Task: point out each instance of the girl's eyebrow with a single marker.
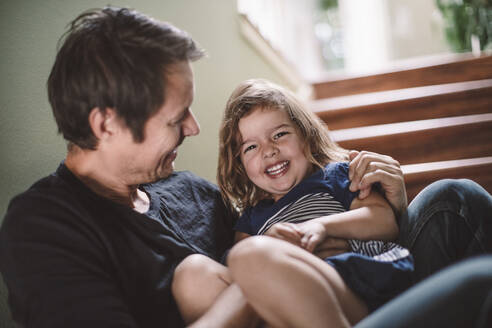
(283, 125)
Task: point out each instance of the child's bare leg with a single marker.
(205, 296)
(229, 310)
(289, 287)
(197, 283)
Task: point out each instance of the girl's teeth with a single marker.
(277, 168)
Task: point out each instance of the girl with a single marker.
(280, 170)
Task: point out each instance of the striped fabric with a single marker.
(312, 206)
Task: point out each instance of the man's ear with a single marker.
(104, 123)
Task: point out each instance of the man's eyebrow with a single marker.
(182, 115)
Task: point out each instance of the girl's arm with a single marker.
(368, 219)
(289, 232)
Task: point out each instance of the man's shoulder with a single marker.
(51, 186)
(54, 198)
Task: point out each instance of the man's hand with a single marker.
(367, 168)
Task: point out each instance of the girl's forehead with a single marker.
(263, 111)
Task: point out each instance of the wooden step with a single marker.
(424, 141)
(453, 99)
(418, 176)
(459, 68)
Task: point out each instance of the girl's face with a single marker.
(272, 151)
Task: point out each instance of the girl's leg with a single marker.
(198, 281)
(290, 287)
(448, 221)
(205, 296)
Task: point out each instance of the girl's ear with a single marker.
(104, 123)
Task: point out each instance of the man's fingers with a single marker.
(386, 178)
(370, 164)
(364, 193)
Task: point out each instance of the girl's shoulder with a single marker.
(339, 169)
(336, 179)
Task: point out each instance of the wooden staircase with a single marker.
(435, 117)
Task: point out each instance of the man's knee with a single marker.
(452, 190)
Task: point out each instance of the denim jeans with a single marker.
(448, 221)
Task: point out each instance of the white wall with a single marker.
(378, 32)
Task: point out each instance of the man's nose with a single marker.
(191, 127)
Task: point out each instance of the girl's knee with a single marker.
(254, 258)
(252, 251)
(193, 270)
(191, 264)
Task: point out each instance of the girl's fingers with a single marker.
(312, 243)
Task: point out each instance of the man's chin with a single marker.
(166, 172)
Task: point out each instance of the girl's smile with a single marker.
(277, 170)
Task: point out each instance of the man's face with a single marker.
(153, 159)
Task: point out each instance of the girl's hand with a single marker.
(313, 233)
(285, 231)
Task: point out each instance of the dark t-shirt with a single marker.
(71, 258)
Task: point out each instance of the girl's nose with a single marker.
(270, 151)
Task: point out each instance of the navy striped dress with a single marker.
(375, 270)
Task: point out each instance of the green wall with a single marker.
(29, 30)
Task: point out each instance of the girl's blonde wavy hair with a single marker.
(237, 190)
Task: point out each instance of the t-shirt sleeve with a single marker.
(338, 178)
(243, 224)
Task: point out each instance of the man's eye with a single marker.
(280, 134)
(249, 148)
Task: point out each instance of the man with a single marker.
(76, 250)
(96, 243)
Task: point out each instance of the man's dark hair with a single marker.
(114, 58)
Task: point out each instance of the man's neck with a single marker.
(101, 179)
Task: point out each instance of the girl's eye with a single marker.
(251, 147)
(280, 134)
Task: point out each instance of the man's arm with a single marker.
(54, 273)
